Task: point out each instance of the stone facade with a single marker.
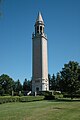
(39, 58)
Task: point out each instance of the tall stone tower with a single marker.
(39, 58)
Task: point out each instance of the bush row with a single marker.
(31, 98)
(69, 96)
(49, 97)
(6, 99)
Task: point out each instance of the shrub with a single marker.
(6, 99)
(49, 97)
(71, 96)
(58, 94)
(45, 93)
(31, 98)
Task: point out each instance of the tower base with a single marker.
(39, 85)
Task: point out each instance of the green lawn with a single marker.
(40, 110)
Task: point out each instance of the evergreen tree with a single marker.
(25, 85)
(52, 82)
(18, 86)
(49, 78)
(58, 78)
(70, 82)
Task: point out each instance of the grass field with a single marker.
(41, 110)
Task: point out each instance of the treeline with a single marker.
(10, 87)
(66, 81)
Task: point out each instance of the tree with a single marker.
(58, 78)
(27, 85)
(52, 82)
(70, 82)
(6, 84)
(1, 89)
(49, 78)
(18, 86)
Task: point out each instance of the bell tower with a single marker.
(39, 25)
(39, 57)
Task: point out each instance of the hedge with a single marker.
(7, 99)
(49, 97)
(31, 98)
(73, 96)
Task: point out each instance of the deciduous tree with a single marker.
(70, 82)
(6, 84)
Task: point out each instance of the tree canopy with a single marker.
(70, 81)
(6, 84)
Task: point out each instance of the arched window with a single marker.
(37, 29)
(40, 29)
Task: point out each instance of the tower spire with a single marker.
(39, 25)
(39, 18)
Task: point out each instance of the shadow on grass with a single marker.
(64, 100)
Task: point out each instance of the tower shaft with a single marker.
(40, 62)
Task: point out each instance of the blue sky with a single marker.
(62, 26)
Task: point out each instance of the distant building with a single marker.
(39, 58)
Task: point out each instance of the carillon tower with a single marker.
(39, 58)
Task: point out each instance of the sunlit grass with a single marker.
(40, 110)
